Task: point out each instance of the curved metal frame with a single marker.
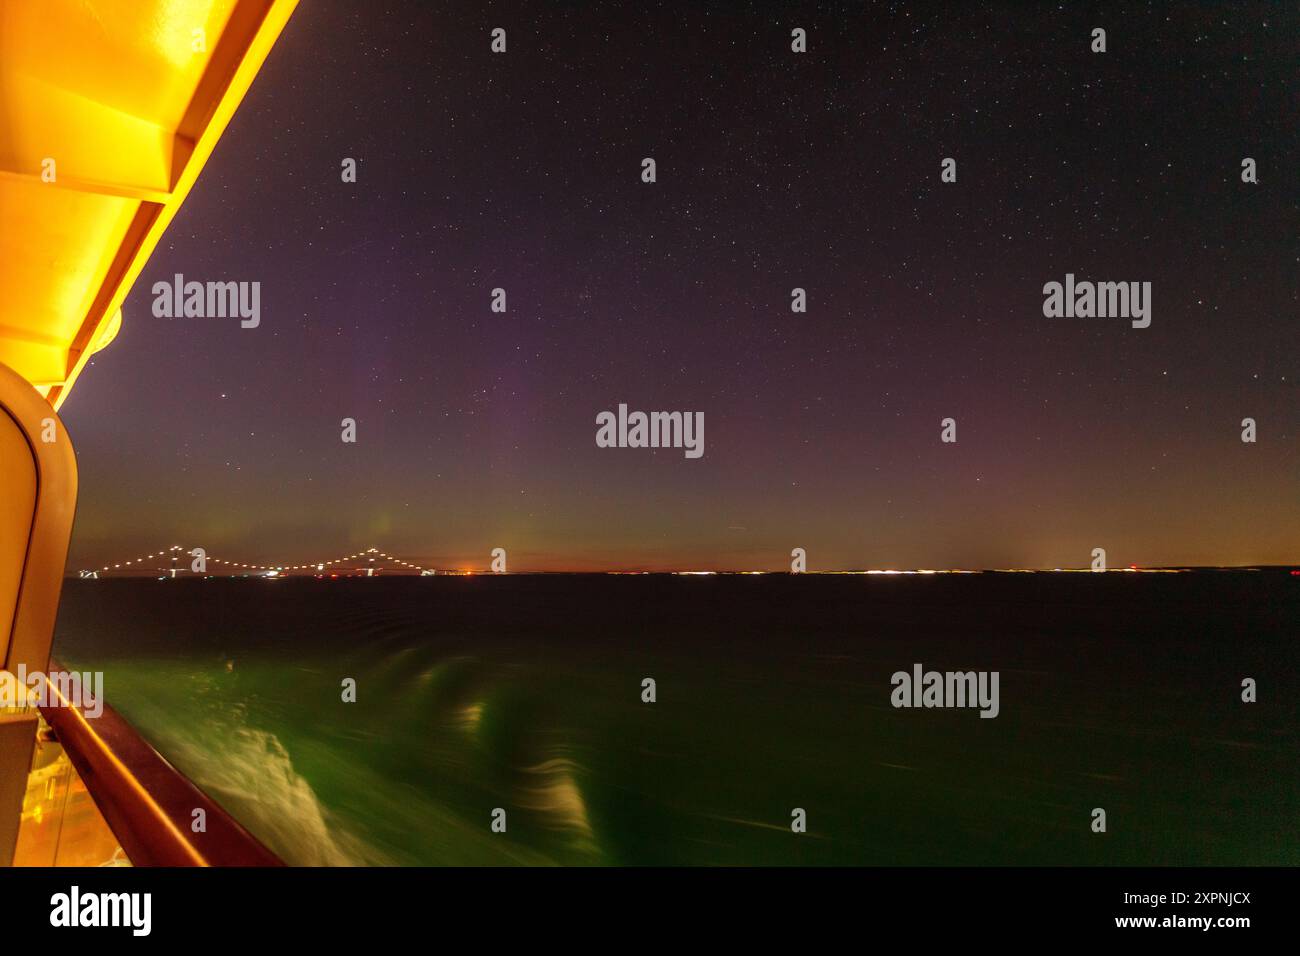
(41, 583)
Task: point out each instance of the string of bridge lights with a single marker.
(178, 553)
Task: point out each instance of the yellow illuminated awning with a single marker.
(108, 111)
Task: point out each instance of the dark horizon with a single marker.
(111, 572)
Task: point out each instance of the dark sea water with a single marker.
(1119, 691)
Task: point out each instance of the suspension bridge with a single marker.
(178, 561)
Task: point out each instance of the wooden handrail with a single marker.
(148, 803)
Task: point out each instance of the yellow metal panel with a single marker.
(50, 285)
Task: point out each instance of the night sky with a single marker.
(775, 170)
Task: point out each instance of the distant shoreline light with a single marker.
(405, 569)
